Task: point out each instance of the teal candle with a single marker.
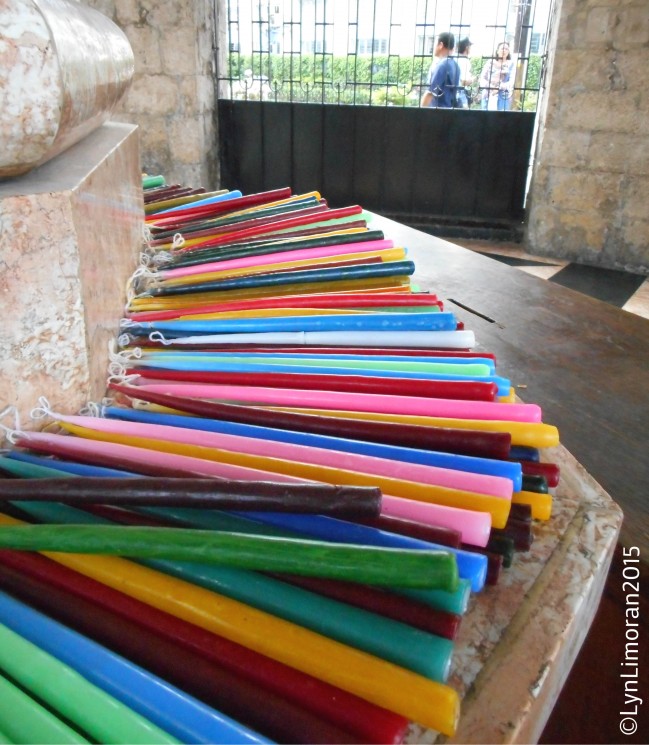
(370, 565)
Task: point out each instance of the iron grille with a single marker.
(372, 52)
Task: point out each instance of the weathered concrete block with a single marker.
(72, 233)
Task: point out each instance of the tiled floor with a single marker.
(625, 290)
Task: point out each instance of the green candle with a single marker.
(81, 703)
(368, 564)
(24, 720)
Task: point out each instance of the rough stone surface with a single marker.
(75, 225)
(588, 199)
(172, 96)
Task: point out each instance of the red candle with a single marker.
(454, 389)
(396, 607)
(368, 723)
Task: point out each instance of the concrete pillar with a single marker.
(588, 199)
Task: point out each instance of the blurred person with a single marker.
(444, 76)
(497, 80)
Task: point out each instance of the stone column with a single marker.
(588, 199)
(172, 98)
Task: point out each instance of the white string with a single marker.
(127, 323)
(162, 257)
(90, 409)
(146, 233)
(121, 377)
(125, 355)
(11, 435)
(157, 336)
(178, 241)
(42, 410)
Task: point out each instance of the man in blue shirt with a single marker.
(444, 76)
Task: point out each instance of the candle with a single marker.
(225, 464)
(365, 402)
(24, 720)
(266, 681)
(541, 503)
(239, 202)
(311, 302)
(337, 322)
(374, 285)
(474, 526)
(321, 258)
(465, 442)
(471, 566)
(60, 467)
(295, 254)
(369, 271)
(150, 182)
(535, 483)
(70, 695)
(470, 390)
(431, 533)
(542, 435)
(182, 357)
(249, 704)
(379, 601)
(229, 495)
(162, 704)
(489, 467)
(424, 653)
(430, 703)
(341, 458)
(451, 602)
(382, 566)
(550, 471)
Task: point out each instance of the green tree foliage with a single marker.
(386, 80)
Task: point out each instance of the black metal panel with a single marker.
(369, 155)
(278, 137)
(442, 164)
(307, 150)
(338, 154)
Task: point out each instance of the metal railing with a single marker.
(372, 52)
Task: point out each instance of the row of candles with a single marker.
(271, 532)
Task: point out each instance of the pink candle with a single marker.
(297, 255)
(496, 486)
(371, 402)
(473, 526)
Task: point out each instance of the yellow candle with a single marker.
(496, 506)
(531, 434)
(274, 313)
(431, 704)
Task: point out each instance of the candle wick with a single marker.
(9, 433)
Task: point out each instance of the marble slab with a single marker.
(519, 638)
(70, 235)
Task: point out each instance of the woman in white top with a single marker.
(497, 80)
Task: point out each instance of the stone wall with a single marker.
(588, 200)
(172, 98)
